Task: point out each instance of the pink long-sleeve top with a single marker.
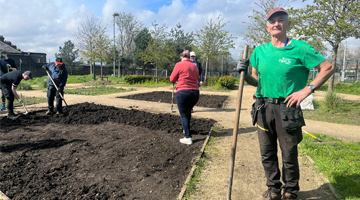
(186, 74)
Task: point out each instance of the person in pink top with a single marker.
(187, 95)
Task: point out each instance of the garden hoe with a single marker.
(236, 127)
(26, 111)
(56, 87)
(172, 98)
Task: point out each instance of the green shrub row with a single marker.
(226, 82)
(136, 79)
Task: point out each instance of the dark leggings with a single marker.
(186, 100)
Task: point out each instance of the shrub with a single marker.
(133, 79)
(227, 82)
(211, 81)
(163, 79)
(332, 100)
(24, 86)
(42, 83)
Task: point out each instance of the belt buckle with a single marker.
(276, 101)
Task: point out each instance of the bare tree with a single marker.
(102, 46)
(85, 36)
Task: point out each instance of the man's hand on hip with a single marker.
(297, 97)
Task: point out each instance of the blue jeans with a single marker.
(186, 100)
(51, 93)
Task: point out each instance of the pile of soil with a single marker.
(207, 101)
(96, 152)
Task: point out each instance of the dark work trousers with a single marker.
(51, 93)
(2, 98)
(269, 131)
(8, 94)
(186, 100)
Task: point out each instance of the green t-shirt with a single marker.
(284, 70)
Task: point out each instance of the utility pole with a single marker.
(343, 71)
(356, 70)
(115, 14)
(222, 65)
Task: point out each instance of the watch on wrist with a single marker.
(312, 88)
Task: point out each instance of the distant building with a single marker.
(24, 60)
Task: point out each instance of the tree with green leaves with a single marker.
(328, 20)
(212, 40)
(142, 40)
(69, 54)
(155, 49)
(102, 44)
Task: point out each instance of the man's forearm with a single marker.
(325, 73)
(14, 92)
(251, 80)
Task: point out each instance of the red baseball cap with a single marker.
(275, 10)
(59, 61)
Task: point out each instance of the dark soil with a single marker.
(208, 101)
(96, 152)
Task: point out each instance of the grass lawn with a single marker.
(340, 163)
(96, 90)
(28, 100)
(345, 88)
(348, 112)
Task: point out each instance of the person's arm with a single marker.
(201, 74)
(64, 78)
(13, 65)
(253, 78)
(174, 74)
(326, 70)
(13, 89)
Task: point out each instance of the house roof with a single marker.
(8, 48)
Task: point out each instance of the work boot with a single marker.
(269, 194)
(59, 112)
(288, 196)
(49, 112)
(2, 107)
(186, 140)
(12, 116)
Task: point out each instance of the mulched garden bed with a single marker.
(208, 101)
(96, 152)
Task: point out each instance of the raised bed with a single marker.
(208, 101)
(97, 152)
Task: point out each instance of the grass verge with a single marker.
(191, 186)
(96, 90)
(29, 100)
(340, 163)
(346, 112)
(345, 88)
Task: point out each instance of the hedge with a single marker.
(227, 82)
(136, 79)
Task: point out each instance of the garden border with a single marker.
(183, 190)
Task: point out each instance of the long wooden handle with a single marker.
(56, 87)
(236, 126)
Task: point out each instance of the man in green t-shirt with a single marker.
(280, 72)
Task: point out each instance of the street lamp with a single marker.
(115, 14)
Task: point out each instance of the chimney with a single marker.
(14, 46)
(18, 49)
(2, 38)
(7, 42)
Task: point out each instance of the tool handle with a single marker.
(236, 126)
(56, 87)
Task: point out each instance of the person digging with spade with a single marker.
(59, 74)
(7, 65)
(280, 73)
(8, 84)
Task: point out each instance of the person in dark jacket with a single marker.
(7, 65)
(59, 74)
(198, 65)
(8, 84)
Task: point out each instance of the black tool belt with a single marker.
(273, 100)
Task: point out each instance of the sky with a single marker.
(44, 25)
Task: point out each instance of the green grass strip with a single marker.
(96, 90)
(340, 163)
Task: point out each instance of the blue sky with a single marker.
(44, 25)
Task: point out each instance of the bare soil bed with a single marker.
(208, 101)
(96, 152)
